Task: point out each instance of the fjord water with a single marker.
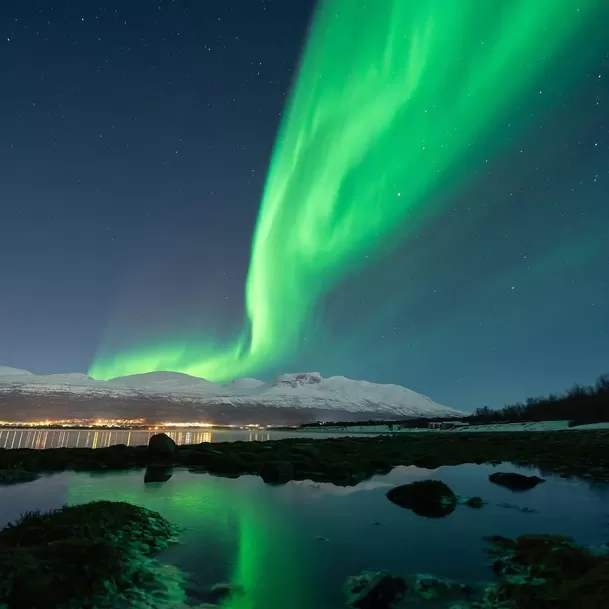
(99, 438)
(294, 545)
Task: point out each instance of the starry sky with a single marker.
(135, 138)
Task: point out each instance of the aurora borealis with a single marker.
(403, 192)
(389, 100)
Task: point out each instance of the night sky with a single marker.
(135, 139)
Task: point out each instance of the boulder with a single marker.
(429, 498)
(161, 445)
(515, 482)
(277, 472)
(375, 590)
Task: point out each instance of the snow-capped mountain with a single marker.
(303, 396)
(6, 371)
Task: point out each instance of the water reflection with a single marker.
(79, 438)
(293, 546)
(242, 535)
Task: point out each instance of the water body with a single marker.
(293, 546)
(99, 438)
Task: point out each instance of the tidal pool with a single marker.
(293, 546)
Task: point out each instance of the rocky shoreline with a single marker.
(100, 555)
(341, 461)
(531, 572)
(115, 540)
(90, 555)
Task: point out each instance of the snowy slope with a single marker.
(241, 384)
(311, 390)
(6, 371)
(293, 391)
(165, 383)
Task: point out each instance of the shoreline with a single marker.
(525, 426)
(345, 460)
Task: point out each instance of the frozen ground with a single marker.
(538, 426)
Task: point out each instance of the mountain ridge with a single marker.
(168, 391)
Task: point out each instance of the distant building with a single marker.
(447, 425)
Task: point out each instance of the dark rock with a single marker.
(502, 567)
(432, 588)
(372, 590)
(158, 473)
(549, 571)
(277, 472)
(381, 466)
(227, 464)
(515, 482)
(161, 445)
(475, 502)
(16, 476)
(429, 498)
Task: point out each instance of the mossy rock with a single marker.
(77, 556)
(550, 571)
(375, 590)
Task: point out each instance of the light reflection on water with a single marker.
(100, 438)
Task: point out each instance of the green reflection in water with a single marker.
(272, 566)
(243, 519)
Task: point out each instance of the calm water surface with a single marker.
(86, 438)
(293, 546)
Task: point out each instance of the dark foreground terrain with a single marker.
(91, 555)
(343, 461)
(106, 549)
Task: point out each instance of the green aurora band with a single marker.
(391, 98)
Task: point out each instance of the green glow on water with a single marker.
(272, 567)
(236, 525)
(390, 98)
